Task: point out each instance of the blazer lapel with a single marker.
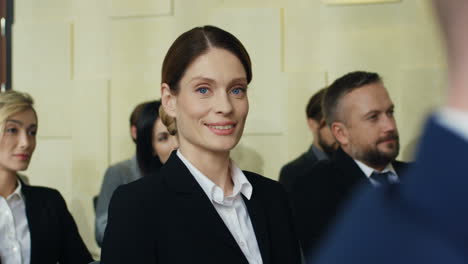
(33, 214)
(400, 167)
(349, 169)
(193, 199)
(258, 218)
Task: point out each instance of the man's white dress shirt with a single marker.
(392, 177)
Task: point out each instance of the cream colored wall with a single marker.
(88, 63)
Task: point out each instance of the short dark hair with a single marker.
(314, 106)
(136, 113)
(147, 161)
(194, 43)
(342, 86)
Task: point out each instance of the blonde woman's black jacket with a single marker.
(169, 219)
(54, 234)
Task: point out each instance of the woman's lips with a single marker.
(222, 128)
(23, 156)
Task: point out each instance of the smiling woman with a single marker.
(202, 208)
(35, 224)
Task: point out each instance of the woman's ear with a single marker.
(168, 100)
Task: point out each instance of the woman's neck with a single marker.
(8, 183)
(214, 165)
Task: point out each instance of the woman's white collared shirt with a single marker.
(232, 208)
(15, 240)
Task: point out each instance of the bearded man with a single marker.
(323, 144)
(359, 112)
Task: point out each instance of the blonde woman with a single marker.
(35, 224)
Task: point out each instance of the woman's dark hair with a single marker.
(187, 48)
(195, 42)
(148, 161)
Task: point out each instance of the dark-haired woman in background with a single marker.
(201, 208)
(154, 144)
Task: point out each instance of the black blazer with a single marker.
(167, 218)
(295, 168)
(54, 235)
(319, 194)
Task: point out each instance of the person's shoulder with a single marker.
(45, 195)
(41, 191)
(263, 183)
(386, 207)
(121, 165)
(302, 161)
(401, 166)
(321, 170)
(140, 191)
(142, 186)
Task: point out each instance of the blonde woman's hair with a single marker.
(168, 121)
(12, 102)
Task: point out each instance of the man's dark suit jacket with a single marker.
(297, 167)
(423, 221)
(54, 235)
(319, 194)
(169, 219)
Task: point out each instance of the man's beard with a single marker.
(376, 157)
(327, 148)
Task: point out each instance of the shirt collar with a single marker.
(213, 191)
(17, 192)
(368, 170)
(318, 153)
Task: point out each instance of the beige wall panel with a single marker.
(267, 103)
(41, 53)
(91, 33)
(370, 55)
(91, 49)
(259, 29)
(125, 8)
(51, 166)
(52, 101)
(302, 36)
(43, 10)
(262, 154)
(258, 3)
(189, 14)
(125, 94)
(421, 91)
(421, 46)
(90, 152)
(345, 38)
(300, 87)
(45, 77)
(138, 47)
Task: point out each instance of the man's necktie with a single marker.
(382, 178)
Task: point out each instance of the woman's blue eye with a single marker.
(202, 90)
(237, 91)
